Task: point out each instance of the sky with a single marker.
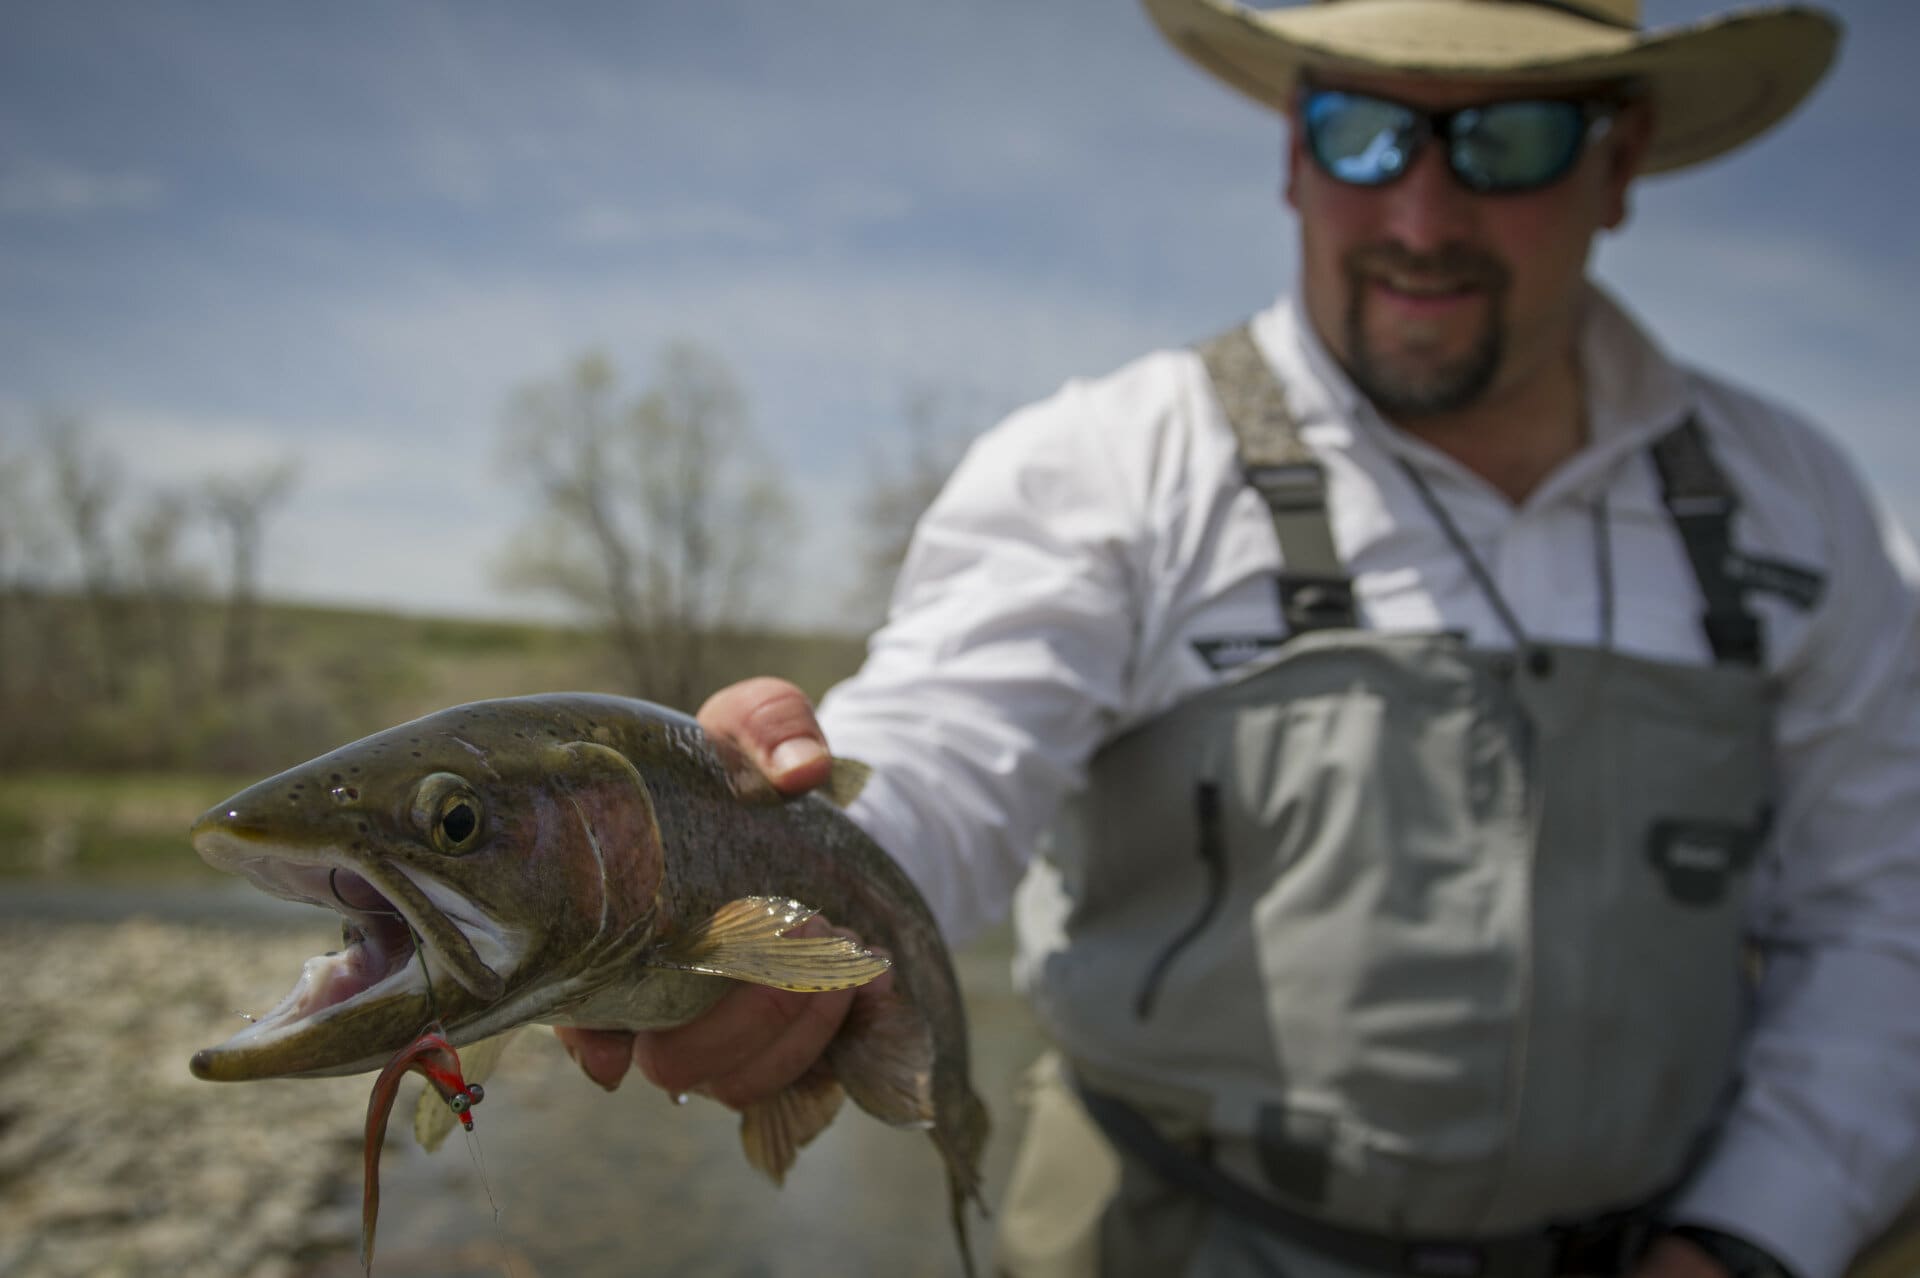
(234, 233)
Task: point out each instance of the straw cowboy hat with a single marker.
(1714, 84)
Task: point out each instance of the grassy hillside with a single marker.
(96, 786)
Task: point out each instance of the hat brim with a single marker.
(1714, 84)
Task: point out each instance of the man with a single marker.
(1489, 751)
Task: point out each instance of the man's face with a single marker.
(1437, 299)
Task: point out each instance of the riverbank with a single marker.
(116, 1163)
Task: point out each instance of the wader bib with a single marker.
(1391, 954)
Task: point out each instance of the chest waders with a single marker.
(1394, 955)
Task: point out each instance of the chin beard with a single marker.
(1402, 386)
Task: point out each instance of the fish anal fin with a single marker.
(746, 940)
(884, 1057)
(773, 1131)
(433, 1119)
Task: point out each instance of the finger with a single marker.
(754, 1041)
(773, 722)
(602, 1055)
(797, 1049)
(800, 1046)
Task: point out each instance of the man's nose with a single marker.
(1428, 207)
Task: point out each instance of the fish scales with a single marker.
(578, 859)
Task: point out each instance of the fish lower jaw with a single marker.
(331, 988)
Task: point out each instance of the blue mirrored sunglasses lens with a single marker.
(1361, 140)
(1514, 146)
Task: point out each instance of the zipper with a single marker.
(1213, 855)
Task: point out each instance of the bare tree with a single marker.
(656, 515)
(86, 487)
(167, 589)
(905, 472)
(238, 506)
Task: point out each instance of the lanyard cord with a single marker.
(1603, 567)
(1465, 551)
(1602, 555)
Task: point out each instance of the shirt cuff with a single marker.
(1758, 1188)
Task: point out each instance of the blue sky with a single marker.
(346, 232)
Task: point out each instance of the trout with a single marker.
(593, 861)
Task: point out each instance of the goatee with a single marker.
(1402, 386)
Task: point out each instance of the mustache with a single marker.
(1471, 266)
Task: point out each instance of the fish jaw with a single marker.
(350, 1010)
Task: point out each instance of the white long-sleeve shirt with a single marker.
(1056, 591)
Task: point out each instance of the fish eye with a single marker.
(458, 1103)
(474, 1094)
(447, 811)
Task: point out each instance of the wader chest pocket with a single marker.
(1699, 859)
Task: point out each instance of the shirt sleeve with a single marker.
(1817, 1153)
(1003, 662)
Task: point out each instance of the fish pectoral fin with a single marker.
(746, 940)
(844, 784)
(432, 1117)
(773, 1131)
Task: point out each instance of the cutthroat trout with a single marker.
(573, 859)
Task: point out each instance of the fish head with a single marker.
(479, 859)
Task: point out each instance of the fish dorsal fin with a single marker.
(848, 779)
(432, 1117)
(746, 940)
(773, 1131)
(750, 785)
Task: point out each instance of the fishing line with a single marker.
(486, 1186)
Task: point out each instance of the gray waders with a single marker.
(1390, 954)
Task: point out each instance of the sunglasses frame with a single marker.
(1597, 114)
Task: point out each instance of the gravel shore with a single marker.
(115, 1162)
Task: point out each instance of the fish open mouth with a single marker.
(378, 943)
(381, 962)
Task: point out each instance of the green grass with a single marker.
(84, 788)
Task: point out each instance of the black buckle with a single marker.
(1316, 603)
(1611, 1245)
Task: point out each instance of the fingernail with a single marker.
(795, 753)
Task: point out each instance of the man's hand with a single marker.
(1674, 1257)
(755, 1040)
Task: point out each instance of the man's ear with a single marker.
(1626, 151)
(1296, 156)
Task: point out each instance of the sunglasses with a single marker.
(1497, 147)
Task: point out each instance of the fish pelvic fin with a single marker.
(746, 940)
(432, 1119)
(773, 1131)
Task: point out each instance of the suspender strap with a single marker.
(1702, 504)
(1315, 591)
(1608, 1244)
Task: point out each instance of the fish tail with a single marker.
(960, 1142)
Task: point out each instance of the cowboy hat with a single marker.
(1714, 84)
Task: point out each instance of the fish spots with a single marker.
(344, 794)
